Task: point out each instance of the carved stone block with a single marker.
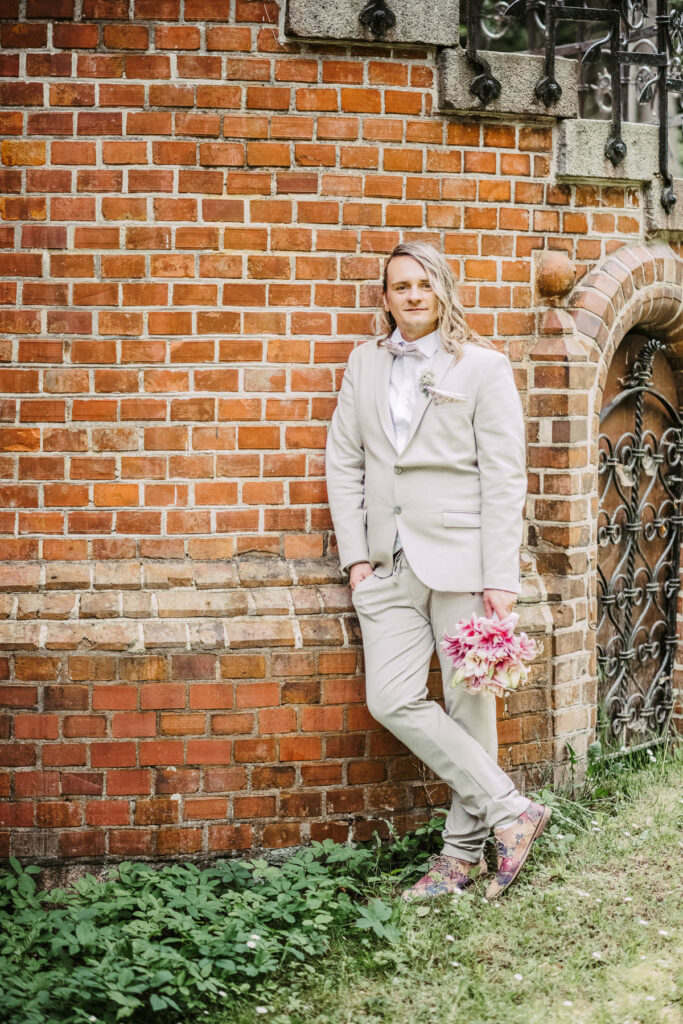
(581, 151)
(432, 22)
(517, 73)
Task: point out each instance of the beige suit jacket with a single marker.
(455, 493)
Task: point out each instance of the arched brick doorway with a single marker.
(636, 287)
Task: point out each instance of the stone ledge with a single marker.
(518, 74)
(432, 22)
(581, 152)
(657, 220)
(136, 637)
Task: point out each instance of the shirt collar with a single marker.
(428, 344)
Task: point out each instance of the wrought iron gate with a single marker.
(640, 479)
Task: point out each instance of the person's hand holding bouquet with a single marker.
(488, 655)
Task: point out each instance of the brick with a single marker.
(300, 748)
(42, 726)
(230, 837)
(18, 755)
(208, 751)
(205, 808)
(58, 815)
(117, 754)
(174, 841)
(161, 752)
(36, 784)
(156, 811)
(107, 812)
(281, 835)
(129, 782)
(136, 842)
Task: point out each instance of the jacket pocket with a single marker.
(462, 518)
(448, 396)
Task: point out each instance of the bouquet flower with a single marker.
(487, 654)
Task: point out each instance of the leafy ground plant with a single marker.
(592, 932)
(177, 939)
(245, 940)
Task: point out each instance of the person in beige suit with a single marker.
(426, 482)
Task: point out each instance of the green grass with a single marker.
(591, 931)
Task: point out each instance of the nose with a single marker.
(413, 293)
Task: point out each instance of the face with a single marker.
(410, 299)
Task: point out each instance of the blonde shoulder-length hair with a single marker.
(453, 327)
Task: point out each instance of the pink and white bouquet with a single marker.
(488, 655)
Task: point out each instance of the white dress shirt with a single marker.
(403, 388)
(403, 384)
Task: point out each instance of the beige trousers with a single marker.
(401, 620)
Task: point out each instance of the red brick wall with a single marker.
(193, 225)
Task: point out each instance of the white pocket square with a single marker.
(441, 397)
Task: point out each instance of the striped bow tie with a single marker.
(403, 348)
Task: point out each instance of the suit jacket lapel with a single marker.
(440, 364)
(382, 374)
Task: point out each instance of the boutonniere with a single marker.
(425, 382)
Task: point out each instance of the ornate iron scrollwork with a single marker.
(652, 43)
(485, 86)
(377, 18)
(639, 534)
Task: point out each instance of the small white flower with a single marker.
(567, 1002)
(252, 945)
(455, 963)
(643, 957)
(92, 1017)
(580, 892)
(222, 993)
(450, 938)
(650, 999)
(425, 382)
(596, 955)
(519, 977)
(262, 1009)
(627, 899)
(662, 931)
(641, 920)
(254, 936)
(560, 835)
(627, 834)
(598, 900)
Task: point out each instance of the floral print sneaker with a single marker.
(446, 876)
(513, 844)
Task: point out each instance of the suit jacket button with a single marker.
(397, 510)
(398, 469)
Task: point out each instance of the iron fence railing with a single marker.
(631, 63)
(630, 52)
